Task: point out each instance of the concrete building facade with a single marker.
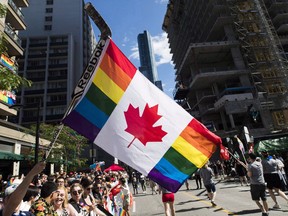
(230, 61)
(58, 43)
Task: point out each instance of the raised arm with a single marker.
(16, 197)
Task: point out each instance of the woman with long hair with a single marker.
(88, 201)
(60, 202)
(76, 204)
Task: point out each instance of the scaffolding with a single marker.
(263, 52)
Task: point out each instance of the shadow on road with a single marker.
(189, 201)
(246, 212)
(191, 209)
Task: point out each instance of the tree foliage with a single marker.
(8, 79)
(68, 148)
(11, 81)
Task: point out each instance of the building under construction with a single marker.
(231, 67)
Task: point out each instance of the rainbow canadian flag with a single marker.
(130, 118)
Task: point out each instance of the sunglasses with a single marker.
(77, 192)
(89, 188)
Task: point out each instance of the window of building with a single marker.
(34, 41)
(48, 27)
(59, 39)
(48, 18)
(279, 117)
(49, 2)
(49, 10)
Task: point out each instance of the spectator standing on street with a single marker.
(257, 183)
(60, 181)
(60, 202)
(187, 184)
(153, 186)
(134, 183)
(30, 197)
(281, 171)
(198, 179)
(206, 174)
(168, 201)
(126, 196)
(43, 206)
(272, 178)
(241, 171)
(143, 183)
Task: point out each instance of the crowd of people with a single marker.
(62, 194)
(107, 193)
(265, 173)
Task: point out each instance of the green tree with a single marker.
(8, 79)
(68, 148)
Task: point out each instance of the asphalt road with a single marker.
(231, 199)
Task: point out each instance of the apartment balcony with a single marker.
(206, 77)
(234, 99)
(13, 42)
(15, 17)
(5, 110)
(21, 3)
(206, 109)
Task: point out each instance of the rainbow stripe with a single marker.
(8, 97)
(111, 80)
(190, 151)
(7, 62)
(121, 212)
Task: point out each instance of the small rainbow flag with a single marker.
(126, 115)
(121, 212)
(7, 62)
(7, 97)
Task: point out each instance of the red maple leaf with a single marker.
(141, 127)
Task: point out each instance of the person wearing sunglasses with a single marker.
(88, 199)
(76, 191)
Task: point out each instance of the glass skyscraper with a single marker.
(147, 58)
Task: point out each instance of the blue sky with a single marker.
(128, 18)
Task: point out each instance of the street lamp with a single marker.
(37, 131)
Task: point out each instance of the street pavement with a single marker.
(231, 199)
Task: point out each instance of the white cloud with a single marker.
(135, 52)
(161, 1)
(125, 40)
(160, 47)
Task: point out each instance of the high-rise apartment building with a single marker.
(58, 43)
(231, 67)
(147, 58)
(13, 141)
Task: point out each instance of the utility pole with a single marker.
(36, 156)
